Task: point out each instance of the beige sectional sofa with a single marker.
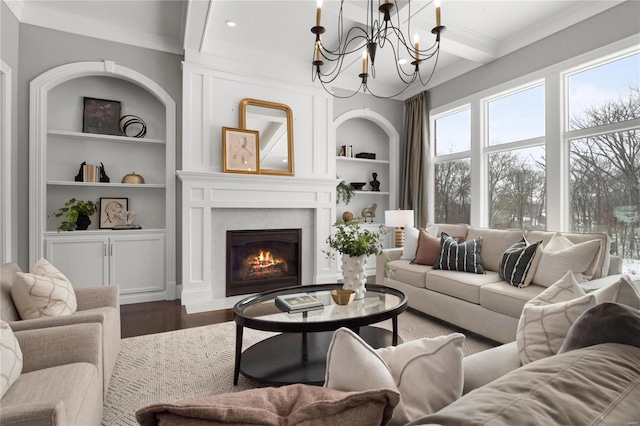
(482, 303)
(98, 314)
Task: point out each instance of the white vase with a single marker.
(354, 275)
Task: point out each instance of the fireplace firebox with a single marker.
(262, 260)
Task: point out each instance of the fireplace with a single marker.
(262, 260)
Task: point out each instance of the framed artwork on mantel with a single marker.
(240, 151)
(113, 212)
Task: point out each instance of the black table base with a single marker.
(299, 357)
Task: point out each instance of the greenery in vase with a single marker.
(344, 193)
(354, 241)
(71, 210)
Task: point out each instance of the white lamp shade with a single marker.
(398, 218)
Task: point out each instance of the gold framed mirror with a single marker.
(274, 124)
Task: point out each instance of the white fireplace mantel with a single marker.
(205, 192)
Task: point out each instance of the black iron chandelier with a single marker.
(379, 32)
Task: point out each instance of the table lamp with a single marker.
(398, 219)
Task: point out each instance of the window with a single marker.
(517, 189)
(604, 166)
(516, 117)
(453, 132)
(453, 191)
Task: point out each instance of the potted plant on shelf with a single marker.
(344, 193)
(77, 214)
(355, 244)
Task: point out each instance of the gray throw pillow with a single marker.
(464, 257)
(604, 323)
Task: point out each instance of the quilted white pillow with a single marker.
(561, 255)
(10, 358)
(45, 292)
(426, 372)
(547, 318)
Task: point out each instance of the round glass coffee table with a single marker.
(298, 354)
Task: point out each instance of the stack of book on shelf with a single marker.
(297, 302)
(90, 173)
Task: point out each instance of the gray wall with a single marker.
(41, 49)
(610, 26)
(9, 34)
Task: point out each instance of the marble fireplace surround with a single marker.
(212, 203)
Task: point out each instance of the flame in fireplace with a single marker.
(264, 265)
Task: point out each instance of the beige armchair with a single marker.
(95, 305)
(60, 383)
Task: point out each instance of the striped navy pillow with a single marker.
(516, 262)
(464, 257)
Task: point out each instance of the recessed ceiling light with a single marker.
(402, 61)
(230, 23)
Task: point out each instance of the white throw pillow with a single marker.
(561, 255)
(426, 372)
(45, 292)
(547, 318)
(411, 234)
(10, 358)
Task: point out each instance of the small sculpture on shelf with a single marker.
(126, 216)
(79, 177)
(369, 212)
(375, 183)
(103, 175)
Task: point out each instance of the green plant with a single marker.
(71, 210)
(344, 193)
(354, 241)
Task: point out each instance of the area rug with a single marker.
(194, 362)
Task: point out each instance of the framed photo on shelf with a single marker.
(113, 212)
(240, 151)
(101, 116)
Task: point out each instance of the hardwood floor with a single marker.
(156, 317)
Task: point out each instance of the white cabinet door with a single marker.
(137, 263)
(83, 259)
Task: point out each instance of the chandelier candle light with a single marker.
(398, 219)
(380, 30)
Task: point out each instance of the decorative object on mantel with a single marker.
(344, 192)
(358, 185)
(376, 30)
(113, 212)
(347, 216)
(100, 116)
(375, 183)
(355, 244)
(369, 212)
(399, 219)
(132, 126)
(240, 151)
(133, 178)
(77, 214)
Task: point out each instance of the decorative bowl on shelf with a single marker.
(343, 296)
(358, 185)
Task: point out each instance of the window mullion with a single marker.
(557, 158)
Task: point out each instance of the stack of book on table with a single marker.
(297, 302)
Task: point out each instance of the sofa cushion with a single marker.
(517, 261)
(561, 255)
(599, 266)
(507, 299)
(296, 404)
(45, 292)
(462, 285)
(456, 256)
(73, 393)
(411, 240)
(594, 385)
(8, 310)
(458, 231)
(408, 273)
(428, 249)
(426, 372)
(547, 318)
(604, 323)
(10, 358)
(494, 243)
